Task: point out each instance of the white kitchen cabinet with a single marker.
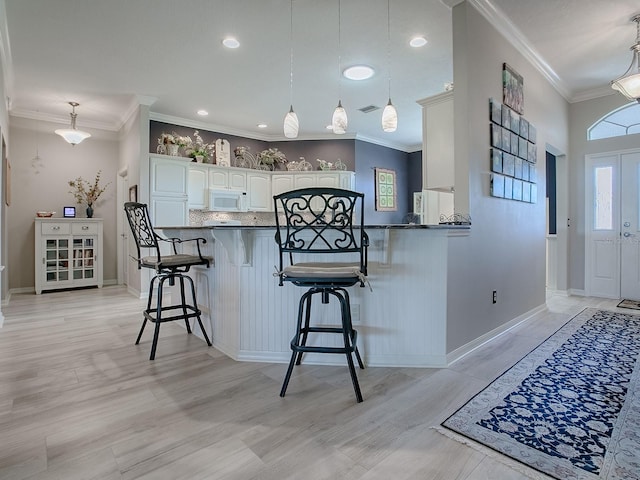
(68, 253)
(198, 187)
(259, 192)
(282, 182)
(169, 182)
(237, 179)
(437, 142)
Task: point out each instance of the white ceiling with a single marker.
(108, 54)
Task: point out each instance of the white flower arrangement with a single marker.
(198, 148)
(271, 157)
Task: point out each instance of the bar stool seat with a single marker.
(322, 221)
(168, 268)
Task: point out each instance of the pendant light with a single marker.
(339, 120)
(291, 125)
(73, 135)
(389, 114)
(629, 83)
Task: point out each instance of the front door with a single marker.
(612, 256)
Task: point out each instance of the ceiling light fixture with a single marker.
(418, 41)
(339, 119)
(291, 125)
(262, 125)
(358, 72)
(629, 83)
(202, 113)
(389, 114)
(73, 135)
(231, 42)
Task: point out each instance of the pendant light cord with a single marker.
(291, 54)
(339, 50)
(389, 45)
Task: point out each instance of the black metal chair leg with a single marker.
(351, 330)
(354, 378)
(195, 305)
(348, 337)
(156, 331)
(307, 316)
(144, 322)
(287, 377)
(183, 302)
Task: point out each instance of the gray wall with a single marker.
(505, 250)
(45, 187)
(582, 116)
(370, 156)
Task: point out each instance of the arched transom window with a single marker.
(622, 121)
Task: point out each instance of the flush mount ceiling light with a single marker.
(202, 113)
(418, 41)
(291, 125)
(629, 83)
(358, 72)
(262, 125)
(389, 114)
(339, 119)
(73, 135)
(230, 42)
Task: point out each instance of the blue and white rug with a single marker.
(571, 407)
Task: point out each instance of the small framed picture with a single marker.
(514, 143)
(495, 111)
(506, 140)
(497, 186)
(496, 136)
(506, 116)
(517, 190)
(523, 148)
(518, 168)
(69, 212)
(508, 165)
(133, 193)
(526, 192)
(515, 123)
(496, 160)
(508, 187)
(524, 128)
(512, 89)
(532, 133)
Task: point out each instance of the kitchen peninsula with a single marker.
(401, 319)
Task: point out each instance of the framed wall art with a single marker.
(385, 184)
(512, 89)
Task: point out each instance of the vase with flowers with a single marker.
(198, 150)
(85, 192)
(171, 142)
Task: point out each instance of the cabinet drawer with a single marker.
(51, 228)
(84, 228)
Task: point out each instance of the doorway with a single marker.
(612, 228)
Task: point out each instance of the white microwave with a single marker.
(227, 200)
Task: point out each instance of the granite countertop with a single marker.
(400, 226)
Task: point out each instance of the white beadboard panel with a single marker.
(402, 322)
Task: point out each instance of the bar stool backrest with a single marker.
(141, 228)
(321, 221)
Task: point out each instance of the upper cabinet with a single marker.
(173, 180)
(437, 142)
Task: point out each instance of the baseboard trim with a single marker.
(465, 350)
(577, 292)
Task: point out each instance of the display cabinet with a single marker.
(68, 253)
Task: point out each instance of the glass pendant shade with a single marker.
(389, 118)
(629, 83)
(339, 120)
(291, 124)
(73, 135)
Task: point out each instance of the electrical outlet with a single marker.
(355, 313)
(495, 297)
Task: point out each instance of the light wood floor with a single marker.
(78, 400)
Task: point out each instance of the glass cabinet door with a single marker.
(83, 266)
(56, 260)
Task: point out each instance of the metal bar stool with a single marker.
(324, 224)
(168, 268)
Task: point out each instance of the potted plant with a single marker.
(271, 158)
(171, 142)
(198, 150)
(85, 192)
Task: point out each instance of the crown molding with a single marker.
(5, 55)
(592, 93)
(47, 117)
(506, 28)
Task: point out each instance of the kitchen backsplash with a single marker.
(198, 217)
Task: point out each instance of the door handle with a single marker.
(627, 234)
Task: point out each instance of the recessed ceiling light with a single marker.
(202, 113)
(358, 72)
(329, 127)
(231, 42)
(418, 41)
(262, 125)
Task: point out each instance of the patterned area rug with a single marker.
(571, 407)
(632, 304)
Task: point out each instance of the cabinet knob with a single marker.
(84, 227)
(55, 228)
